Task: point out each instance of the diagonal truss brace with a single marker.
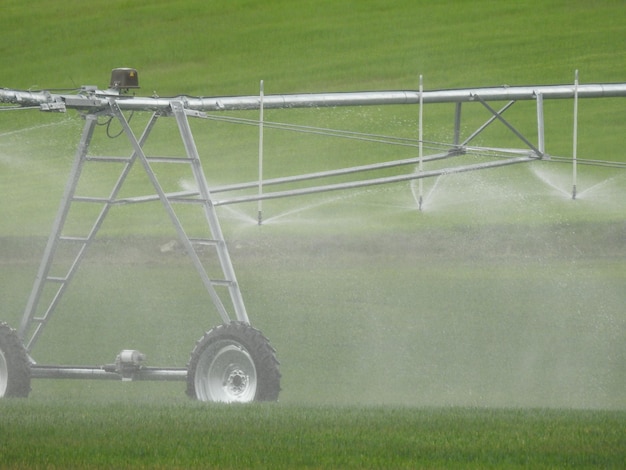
(497, 115)
(479, 129)
(204, 198)
(35, 318)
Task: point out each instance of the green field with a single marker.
(190, 435)
(487, 330)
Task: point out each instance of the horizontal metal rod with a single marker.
(373, 181)
(180, 195)
(338, 172)
(583, 161)
(93, 101)
(188, 196)
(100, 373)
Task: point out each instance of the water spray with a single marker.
(232, 362)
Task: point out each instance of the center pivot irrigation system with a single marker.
(233, 362)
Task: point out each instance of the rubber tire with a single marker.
(233, 363)
(14, 364)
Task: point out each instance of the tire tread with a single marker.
(260, 349)
(18, 363)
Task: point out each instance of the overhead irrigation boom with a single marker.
(233, 361)
(92, 99)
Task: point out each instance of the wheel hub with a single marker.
(237, 381)
(233, 363)
(226, 373)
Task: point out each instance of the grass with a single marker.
(486, 331)
(319, 45)
(271, 436)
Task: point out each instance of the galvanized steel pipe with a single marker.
(94, 100)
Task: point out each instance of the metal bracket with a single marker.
(194, 113)
(54, 106)
(128, 363)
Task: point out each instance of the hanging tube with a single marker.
(260, 202)
(421, 140)
(575, 143)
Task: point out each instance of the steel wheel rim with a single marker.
(4, 374)
(226, 373)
